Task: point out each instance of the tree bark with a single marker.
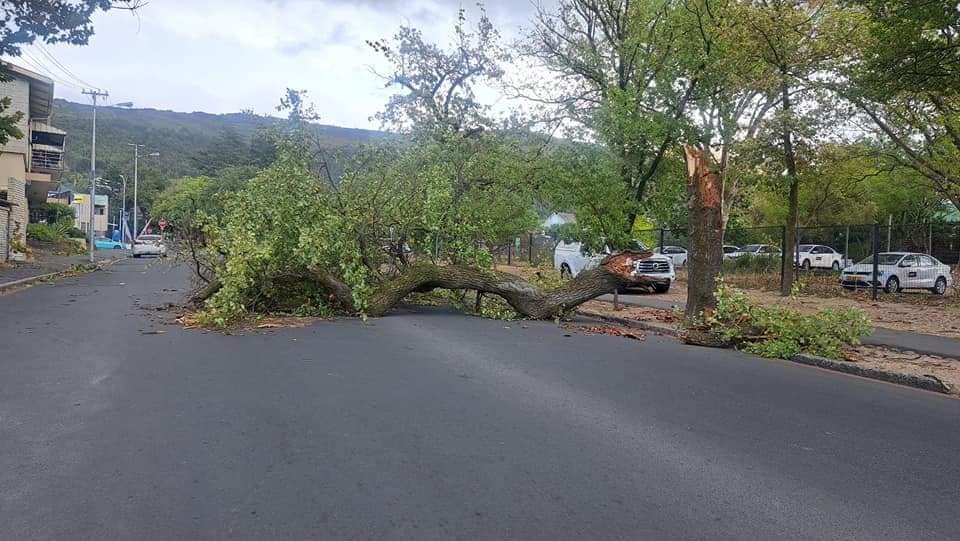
(793, 200)
(705, 230)
(527, 299)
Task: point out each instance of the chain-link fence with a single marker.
(829, 260)
(533, 249)
(832, 259)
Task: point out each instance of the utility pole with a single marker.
(94, 94)
(123, 211)
(136, 158)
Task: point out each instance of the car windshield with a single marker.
(730, 249)
(806, 247)
(884, 259)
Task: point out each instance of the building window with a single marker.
(101, 211)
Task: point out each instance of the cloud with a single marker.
(225, 55)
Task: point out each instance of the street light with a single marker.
(136, 180)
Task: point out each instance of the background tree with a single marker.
(620, 69)
(906, 83)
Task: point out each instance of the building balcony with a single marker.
(45, 159)
(46, 147)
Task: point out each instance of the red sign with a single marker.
(162, 223)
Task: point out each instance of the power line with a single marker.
(36, 64)
(62, 67)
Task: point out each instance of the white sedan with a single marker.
(677, 254)
(730, 251)
(149, 245)
(899, 270)
(818, 256)
(756, 250)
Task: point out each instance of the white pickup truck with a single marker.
(570, 260)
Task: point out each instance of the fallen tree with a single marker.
(615, 271)
(401, 218)
(527, 299)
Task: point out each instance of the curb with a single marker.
(661, 329)
(927, 383)
(4, 287)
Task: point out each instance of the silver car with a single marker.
(899, 270)
(149, 245)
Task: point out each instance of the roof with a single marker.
(41, 89)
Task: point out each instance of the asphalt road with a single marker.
(430, 425)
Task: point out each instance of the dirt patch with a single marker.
(609, 330)
(637, 313)
(945, 369)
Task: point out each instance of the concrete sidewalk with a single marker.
(44, 264)
(921, 343)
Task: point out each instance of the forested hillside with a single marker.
(188, 143)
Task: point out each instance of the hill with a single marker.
(188, 143)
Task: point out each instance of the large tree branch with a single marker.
(527, 299)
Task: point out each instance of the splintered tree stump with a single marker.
(705, 252)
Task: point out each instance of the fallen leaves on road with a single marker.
(609, 330)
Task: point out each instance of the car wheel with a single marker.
(565, 272)
(806, 264)
(892, 285)
(940, 286)
(116, 247)
(661, 288)
(835, 266)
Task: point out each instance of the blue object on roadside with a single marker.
(103, 243)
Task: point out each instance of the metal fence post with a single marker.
(530, 248)
(876, 260)
(796, 252)
(661, 240)
(783, 254)
(846, 248)
(889, 230)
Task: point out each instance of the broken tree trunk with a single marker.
(705, 252)
(527, 299)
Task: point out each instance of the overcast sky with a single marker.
(221, 56)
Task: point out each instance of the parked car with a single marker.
(571, 259)
(103, 243)
(757, 250)
(677, 254)
(729, 250)
(149, 245)
(899, 270)
(819, 256)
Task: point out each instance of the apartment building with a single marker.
(101, 213)
(30, 166)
